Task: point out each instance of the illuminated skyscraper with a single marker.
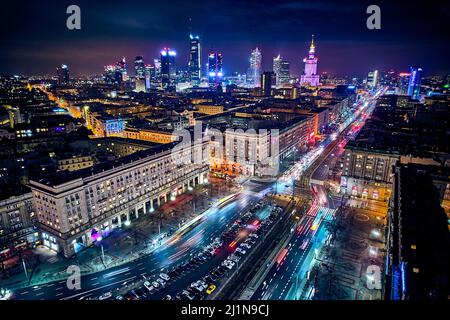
(168, 69)
(139, 67)
(403, 81)
(415, 80)
(194, 66)
(310, 76)
(149, 70)
(121, 67)
(281, 70)
(254, 71)
(215, 72)
(372, 79)
(63, 74)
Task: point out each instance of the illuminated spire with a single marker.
(312, 47)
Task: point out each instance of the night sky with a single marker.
(34, 38)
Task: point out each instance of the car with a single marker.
(168, 297)
(208, 279)
(120, 297)
(189, 296)
(129, 296)
(140, 293)
(155, 284)
(228, 264)
(245, 245)
(221, 270)
(240, 250)
(196, 286)
(202, 257)
(211, 288)
(164, 276)
(213, 276)
(172, 274)
(134, 294)
(234, 257)
(105, 296)
(253, 235)
(202, 284)
(149, 286)
(161, 282)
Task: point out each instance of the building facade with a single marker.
(17, 230)
(75, 210)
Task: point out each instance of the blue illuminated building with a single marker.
(414, 82)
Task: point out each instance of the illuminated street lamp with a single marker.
(127, 223)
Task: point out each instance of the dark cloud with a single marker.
(34, 38)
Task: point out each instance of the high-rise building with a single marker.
(168, 69)
(195, 64)
(403, 81)
(254, 72)
(268, 78)
(372, 79)
(139, 67)
(122, 68)
(215, 72)
(281, 69)
(63, 74)
(415, 79)
(112, 75)
(149, 70)
(310, 76)
(157, 69)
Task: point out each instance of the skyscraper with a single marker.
(149, 70)
(139, 67)
(310, 76)
(415, 80)
(215, 72)
(168, 69)
(194, 66)
(63, 74)
(372, 79)
(267, 80)
(121, 67)
(281, 69)
(402, 85)
(254, 71)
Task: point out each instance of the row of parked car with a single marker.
(209, 283)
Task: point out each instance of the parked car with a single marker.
(105, 296)
(164, 276)
(161, 282)
(155, 284)
(168, 297)
(134, 294)
(149, 286)
(211, 288)
(140, 293)
(240, 250)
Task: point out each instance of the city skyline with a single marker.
(344, 49)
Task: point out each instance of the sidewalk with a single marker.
(125, 244)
